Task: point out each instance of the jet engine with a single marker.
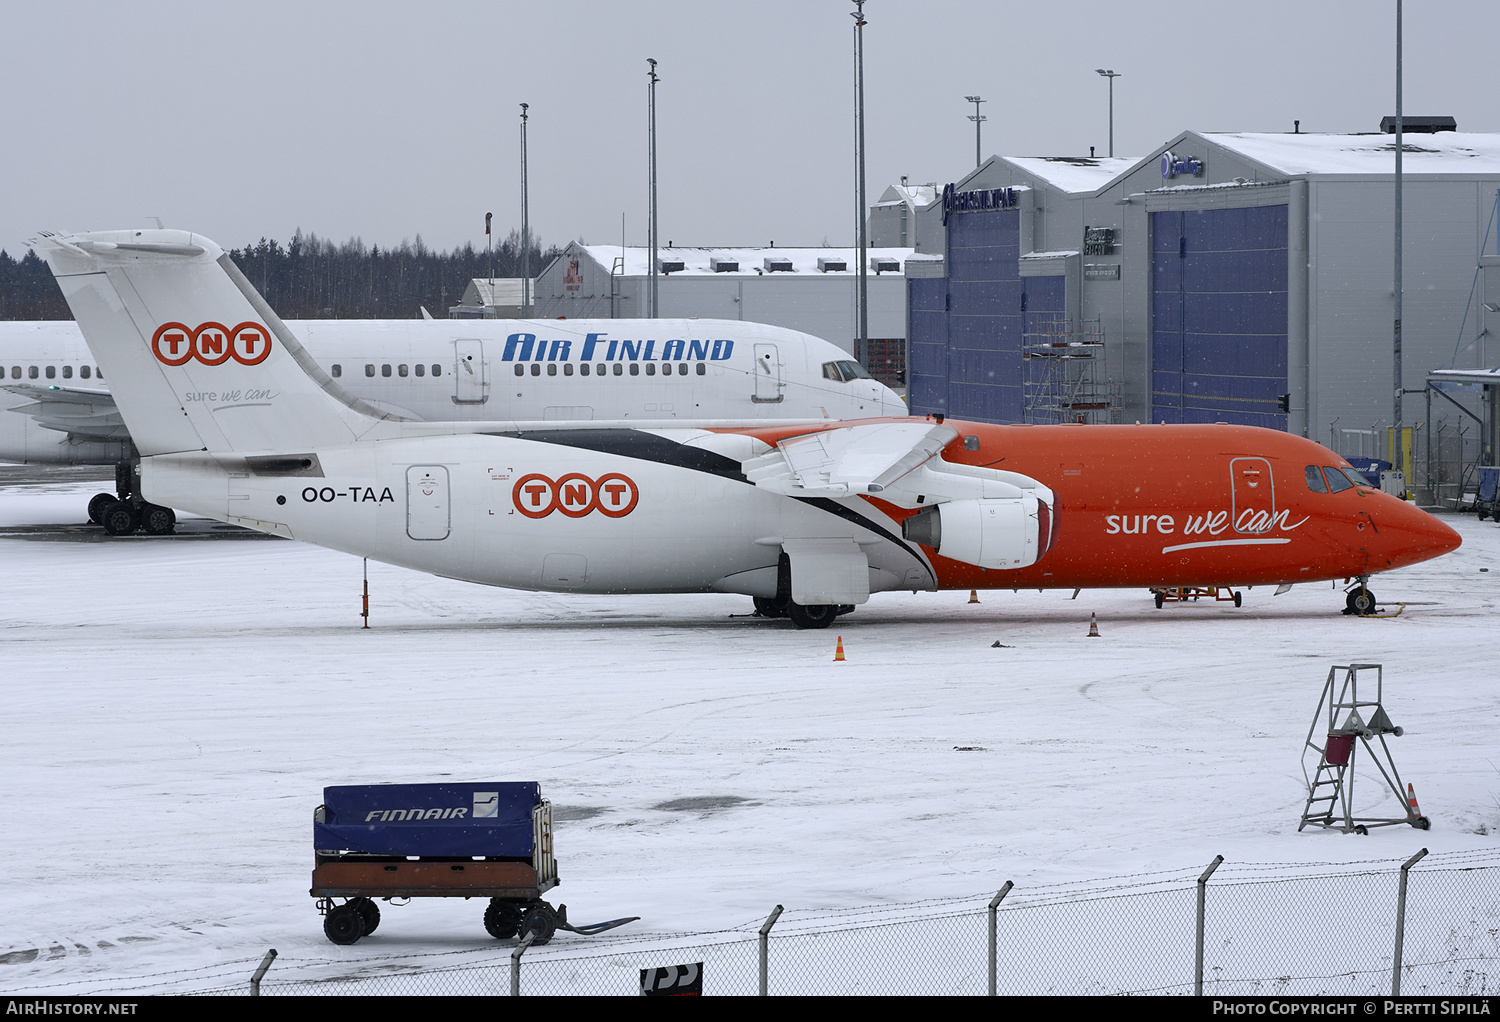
(1004, 533)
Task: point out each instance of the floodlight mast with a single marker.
(864, 242)
(654, 240)
(1398, 461)
(978, 119)
(525, 228)
(1111, 75)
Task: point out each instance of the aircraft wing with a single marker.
(848, 460)
(81, 413)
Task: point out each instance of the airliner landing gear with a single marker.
(818, 615)
(123, 512)
(1360, 601)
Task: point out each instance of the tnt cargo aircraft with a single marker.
(809, 519)
(455, 370)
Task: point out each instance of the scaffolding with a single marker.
(1065, 377)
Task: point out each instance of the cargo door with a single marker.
(427, 515)
(1253, 497)
(767, 374)
(471, 385)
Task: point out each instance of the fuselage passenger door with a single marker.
(471, 385)
(427, 514)
(1253, 495)
(767, 374)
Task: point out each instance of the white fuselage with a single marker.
(485, 370)
(543, 514)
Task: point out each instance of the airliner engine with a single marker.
(1003, 533)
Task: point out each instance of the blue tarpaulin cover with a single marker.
(491, 818)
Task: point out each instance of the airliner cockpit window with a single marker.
(1315, 480)
(854, 371)
(1337, 481)
(831, 372)
(1356, 477)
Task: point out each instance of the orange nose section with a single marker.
(1407, 535)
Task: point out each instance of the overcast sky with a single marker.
(388, 120)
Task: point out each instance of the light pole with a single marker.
(651, 93)
(525, 227)
(978, 119)
(1397, 461)
(864, 242)
(1111, 75)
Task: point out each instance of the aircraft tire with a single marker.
(1160, 599)
(540, 919)
(502, 919)
(120, 519)
(1237, 598)
(97, 505)
(1360, 601)
(369, 914)
(818, 615)
(343, 925)
(161, 521)
(769, 606)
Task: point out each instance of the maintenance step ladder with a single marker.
(1342, 718)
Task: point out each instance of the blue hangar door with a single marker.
(1219, 315)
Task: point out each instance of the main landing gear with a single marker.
(124, 512)
(817, 615)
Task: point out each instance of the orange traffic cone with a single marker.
(1093, 626)
(838, 654)
(973, 595)
(1411, 801)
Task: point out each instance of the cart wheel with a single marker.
(1423, 823)
(1160, 599)
(1361, 829)
(502, 919)
(369, 914)
(343, 925)
(541, 920)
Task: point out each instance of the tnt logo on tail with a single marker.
(212, 344)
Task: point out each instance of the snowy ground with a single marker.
(174, 707)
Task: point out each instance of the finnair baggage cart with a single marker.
(485, 840)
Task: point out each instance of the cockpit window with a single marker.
(1337, 481)
(1315, 480)
(1354, 475)
(844, 371)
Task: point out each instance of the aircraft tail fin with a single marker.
(194, 356)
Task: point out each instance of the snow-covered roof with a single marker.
(919, 196)
(1488, 377)
(1074, 173)
(1444, 152)
(495, 291)
(696, 260)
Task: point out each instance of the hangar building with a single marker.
(1223, 277)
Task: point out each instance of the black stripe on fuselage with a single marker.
(633, 443)
(642, 446)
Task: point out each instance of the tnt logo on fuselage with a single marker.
(575, 495)
(213, 344)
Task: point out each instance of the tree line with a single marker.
(314, 278)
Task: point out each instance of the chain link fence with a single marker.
(1266, 930)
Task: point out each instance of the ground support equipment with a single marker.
(1182, 594)
(399, 841)
(1341, 720)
